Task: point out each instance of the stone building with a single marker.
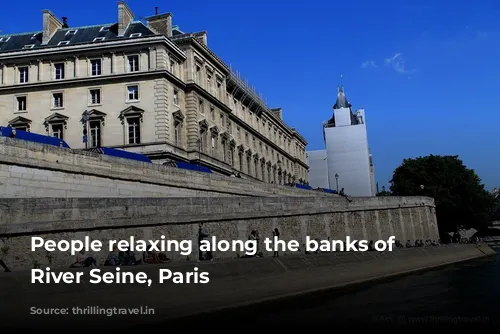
(148, 88)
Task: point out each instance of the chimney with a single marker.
(65, 22)
(278, 112)
(202, 37)
(160, 24)
(50, 25)
(125, 17)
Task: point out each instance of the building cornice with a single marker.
(106, 45)
(200, 47)
(84, 81)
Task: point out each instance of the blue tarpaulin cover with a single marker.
(33, 137)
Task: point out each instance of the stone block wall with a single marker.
(231, 218)
(33, 170)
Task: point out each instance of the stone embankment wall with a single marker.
(232, 283)
(34, 170)
(230, 218)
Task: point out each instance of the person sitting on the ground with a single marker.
(83, 260)
(112, 260)
(152, 257)
(4, 266)
(127, 258)
(408, 244)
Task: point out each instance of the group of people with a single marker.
(122, 258)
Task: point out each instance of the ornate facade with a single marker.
(147, 88)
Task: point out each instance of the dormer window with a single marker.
(99, 39)
(34, 36)
(63, 43)
(135, 35)
(104, 29)
(71, 32)
(29, 46)
(4, 39)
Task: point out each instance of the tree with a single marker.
(461, 200)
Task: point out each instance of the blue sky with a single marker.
(425, 71)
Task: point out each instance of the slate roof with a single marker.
(88, 34)
(341, 100)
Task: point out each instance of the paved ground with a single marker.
(262, 281)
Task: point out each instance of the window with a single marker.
(202, 141)
(57, 99)
(218, 91)
(63, 43)
(95, 96)
(21, 103)
(57, 130)
(197, 73)
(249, 165)
(133, 63)
(29, 46)
(209, 77)
(246, 138)
(133, 93)
(96, 66)
(214, 143)
(95, 133)
(200, 106)
(71, 32)
(20, 127)
(59, 69)
(23, 74)
(98, 39)
(172, 66)
(134, 130)
(4, 39)
(240, 158)
(105, 29)
(34, 36)
(137, 34)
(212, 113)
(224, 152)
(231, 156)
(176, 98)
(177, 132)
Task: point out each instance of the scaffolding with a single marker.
(247, 91)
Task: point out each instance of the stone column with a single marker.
(113, 63)
(39, 70)
(2, 74)
(75, 67)
(151, 59)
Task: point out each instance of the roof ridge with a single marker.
(22, 33)
(89, 26)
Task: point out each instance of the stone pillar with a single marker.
(75, 66)
(2, 74)
(192, 125)
(151, 58)
(113, 63)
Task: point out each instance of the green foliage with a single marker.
(461, 199)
